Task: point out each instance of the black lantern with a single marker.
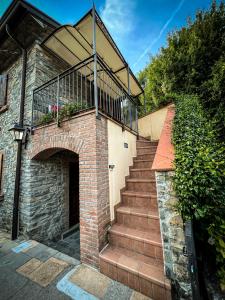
(17, 132)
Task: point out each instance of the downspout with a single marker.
(19, 145)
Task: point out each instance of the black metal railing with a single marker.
(73, 91)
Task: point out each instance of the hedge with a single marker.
(199, 179)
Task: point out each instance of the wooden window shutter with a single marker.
(3, 89)
(1, 171)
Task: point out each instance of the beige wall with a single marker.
(151, 125)
(122, 158)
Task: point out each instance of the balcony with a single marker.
(102, 81)
(73, 91)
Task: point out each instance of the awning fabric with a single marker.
(74, 44)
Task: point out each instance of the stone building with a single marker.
(80, 164)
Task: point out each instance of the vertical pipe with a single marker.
(57, 105)
(15, 220)
(95, 60)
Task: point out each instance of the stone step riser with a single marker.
(146, 156)
(148, 150)
(134, 281)
(147, 174)
(140, 164)
(146, 144)
(138, 246)
(148, 187)
(140, 202)
(138, 222)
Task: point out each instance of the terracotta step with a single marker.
(141, 185)
(146, 156)
(146, 150)
(139, 272)
(142, 143)
(142, 163)
(142, 173)
(138, 199)
(141, 138)
(144, 242)
(138, 218)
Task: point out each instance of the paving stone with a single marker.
(48, 271)
(51, 293)
(70, 260)
(6, 246)
(91, 281)
(30, 291)
(14, 260)
(41, 252)
(10, 282)
(138, 296)
(29, 267)
(118, 291)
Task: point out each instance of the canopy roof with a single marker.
(74, 44)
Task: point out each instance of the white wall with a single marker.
(151, 125)
(122, 158)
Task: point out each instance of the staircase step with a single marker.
(146, 150)
(146, 142)
(141, 185)
(142, 173)
(142, 163)
(138, 218)
(139, 272)
(137, 199)
(144, 242)
(146, 156)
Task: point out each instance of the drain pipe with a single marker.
(15, 218)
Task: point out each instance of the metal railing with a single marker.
(73, 91)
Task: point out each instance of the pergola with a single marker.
(89, 37)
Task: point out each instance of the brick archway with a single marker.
(49, 144)
(86, 137)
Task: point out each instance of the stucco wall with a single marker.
(151, 125)
(122, 158)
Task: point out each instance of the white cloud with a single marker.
(118, 16)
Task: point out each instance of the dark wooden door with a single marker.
(73, 193)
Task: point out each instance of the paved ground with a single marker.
(69, 245)
(33, 271)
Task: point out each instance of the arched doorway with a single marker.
(60, 170)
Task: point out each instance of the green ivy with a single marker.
(199, 179)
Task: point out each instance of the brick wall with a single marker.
(86, 136)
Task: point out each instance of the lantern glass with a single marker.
(17, 132)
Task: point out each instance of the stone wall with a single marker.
(41, 66)
(176, 264)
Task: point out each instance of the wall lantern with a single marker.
(17, 132)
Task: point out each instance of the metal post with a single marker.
(145, 103)
(57, 105)
(128, 90)
(95, 61)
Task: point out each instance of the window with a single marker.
(1, 172)
(3, 90)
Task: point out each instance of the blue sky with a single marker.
(139, 27)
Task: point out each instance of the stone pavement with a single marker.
(32, 271)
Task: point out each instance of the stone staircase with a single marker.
(134, 254)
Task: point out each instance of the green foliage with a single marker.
(70, 109)
(191, 63)
(67, 111)
(46, 119)
(199, 179)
